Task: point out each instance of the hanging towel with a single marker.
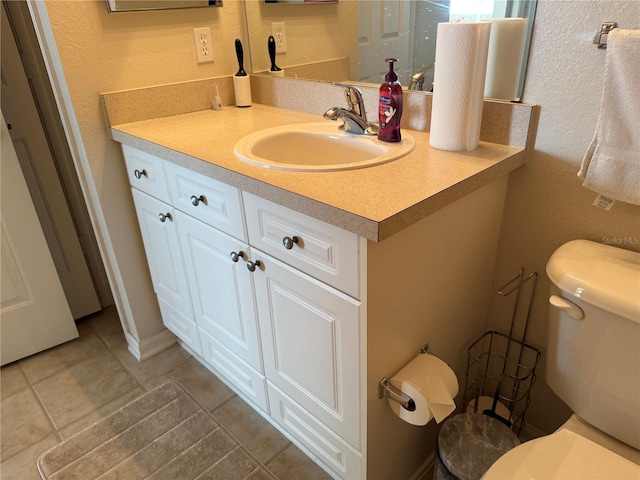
(611, 165)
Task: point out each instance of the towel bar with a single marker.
(600, 38)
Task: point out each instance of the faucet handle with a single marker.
(353, 97)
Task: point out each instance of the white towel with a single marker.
(611, 165)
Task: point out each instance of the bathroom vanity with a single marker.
(303, 290)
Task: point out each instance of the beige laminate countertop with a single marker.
(373, 202)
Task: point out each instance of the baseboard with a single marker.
(424, 468)
(529, 433)
(149, 347)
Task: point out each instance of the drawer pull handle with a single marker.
(236, 256)
(164, 217)
(139, 173)
(289, 241)
(195, 201)
(253, 265)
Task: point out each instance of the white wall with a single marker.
(546, 204)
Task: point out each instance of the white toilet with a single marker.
(593, 365)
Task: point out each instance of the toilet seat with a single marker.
(561, 455)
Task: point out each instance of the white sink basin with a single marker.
(317, 147)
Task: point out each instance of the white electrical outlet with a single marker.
(280, 36)
(202, 41)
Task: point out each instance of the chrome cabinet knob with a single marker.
(164, 217)
(253, 265)
(236, 256)
(195, 201)
(288, 242)
(139, 173)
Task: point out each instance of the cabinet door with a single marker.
(311, 344)
(221, 289)
(161, 244)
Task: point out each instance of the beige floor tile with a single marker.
(102, 412)
(79, 390)
(200, 382)
(49, 362)
(23, 466)
(252, 431)
(12, 380)
(23, 423)
(148, 370)
(107, 325)
(293, 464)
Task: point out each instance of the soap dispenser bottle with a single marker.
(390, 106)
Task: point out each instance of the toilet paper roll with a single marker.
(458, 85)
(506, 45)
(431, 384)
(242, 90)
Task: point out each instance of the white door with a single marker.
(385, 31)
(311, 344)
(32, 147)
(34, 313)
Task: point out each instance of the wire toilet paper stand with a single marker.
(500, 367)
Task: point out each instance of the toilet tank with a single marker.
(593, 344)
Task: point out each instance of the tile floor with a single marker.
(51, 396)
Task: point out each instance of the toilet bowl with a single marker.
(576, 451)
(593, 365)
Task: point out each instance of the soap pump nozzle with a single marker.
(391, 76)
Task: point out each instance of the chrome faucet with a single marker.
(417, 79)
(354, 117)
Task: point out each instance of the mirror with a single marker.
(137, 5)
(349, 41)
(301, 2)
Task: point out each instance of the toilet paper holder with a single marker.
(386, 390)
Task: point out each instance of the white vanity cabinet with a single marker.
(271, 303)
(304, 318)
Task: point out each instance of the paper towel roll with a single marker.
(506, 44)
(242, 90)
(458, 85)
(431, 384)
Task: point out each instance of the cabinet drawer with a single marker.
(183, 327)
(146, 173)
(206, 199)
(248, 381)
(333, 451)
(324, 251)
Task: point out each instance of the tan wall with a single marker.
(314, 32)
(102, 52)
(546, 203)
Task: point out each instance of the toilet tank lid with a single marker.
(601, 275)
